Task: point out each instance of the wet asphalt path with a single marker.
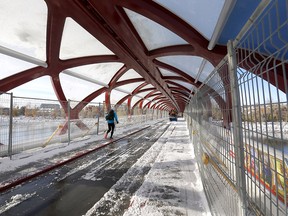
(75, 187)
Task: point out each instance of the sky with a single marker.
(173, 168)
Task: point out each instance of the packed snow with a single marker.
(172, 185)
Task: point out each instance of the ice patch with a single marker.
(15, 200)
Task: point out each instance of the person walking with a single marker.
(111, 117)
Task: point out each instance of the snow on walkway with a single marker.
(167, 177)
(171, 187)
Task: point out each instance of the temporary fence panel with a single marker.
(32, 122)
(6, 123)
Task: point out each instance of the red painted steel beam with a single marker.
(177, 71)
(57, 13)
(140, 91)
(159, 102)
(180, 94)
(117, 76)
(117, 20)
(179, 86)
(129, 81)
(23, 77)
(214, 57)
(107, 21)
(143, 90)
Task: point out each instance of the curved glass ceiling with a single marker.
(101, 72)
(29, 32)
(77, 42)
(11, 66)
(80, 88)
(43, 86)
(130, 74)
(25, 29)
(165, 72)
(153, 35)
(115, 96)
(188, 64)
(195, 9)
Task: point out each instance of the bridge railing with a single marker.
(238, 120)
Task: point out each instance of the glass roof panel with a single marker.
(185, 84)
(193, 12)
(165, 72)
(102, 72)
(23, 27)
(171, 85)
(145, 102)
(43, 86)
(148, 86)
(100, 98)
(143, 94)
(134, 100)
(188, 64)
(153, 35)
(72, 45)
(130, 87)
(152, 103)
(11, 66)
(207, 70)
(194, 88)
(77, 89)
(157, 101)
(130, 74)
(152, 97)
(115, 96)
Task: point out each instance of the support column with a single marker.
(107, 100)
(129, 108)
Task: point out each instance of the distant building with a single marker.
(4, 111)
(49, 107)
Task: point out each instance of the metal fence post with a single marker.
(98, 119)
(237, 125)
(190, 119)
(68, 120)
(10, 127)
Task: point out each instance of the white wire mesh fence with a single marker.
(240, 120)
(33, 122)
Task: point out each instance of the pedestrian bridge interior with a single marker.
(222, 65)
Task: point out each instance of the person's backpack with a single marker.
(110, 116)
